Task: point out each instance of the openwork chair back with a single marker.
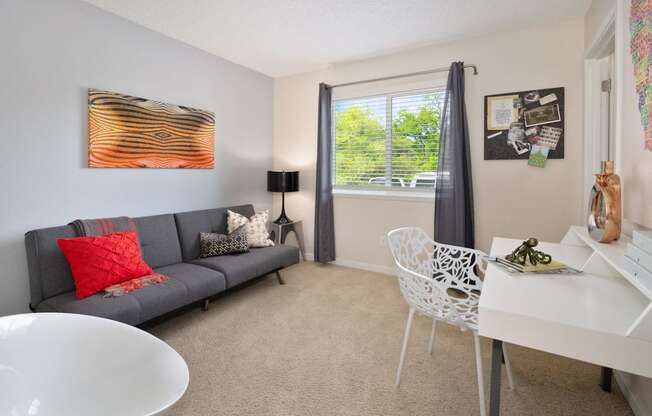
(438, 280)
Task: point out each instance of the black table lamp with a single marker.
(282, 181)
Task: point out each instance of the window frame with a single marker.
(382, 192)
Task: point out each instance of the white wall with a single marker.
(511, 198)
(52, 51)
(635, 164)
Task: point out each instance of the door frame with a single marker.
(610, 36)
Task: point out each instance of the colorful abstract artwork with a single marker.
(133, 132)
(640, 25)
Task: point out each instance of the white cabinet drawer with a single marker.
(643, 258)
(642, 239)
(641, 274)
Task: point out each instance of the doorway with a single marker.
(600, 104)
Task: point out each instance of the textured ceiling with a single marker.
(283, 37)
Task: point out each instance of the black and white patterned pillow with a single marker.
(256, 226)
(212, 244)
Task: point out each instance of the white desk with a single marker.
(601, 316)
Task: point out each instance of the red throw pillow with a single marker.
(99, 262)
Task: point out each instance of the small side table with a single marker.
(278, 233)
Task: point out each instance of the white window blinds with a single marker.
(389, 140)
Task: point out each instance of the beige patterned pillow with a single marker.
(256, 227)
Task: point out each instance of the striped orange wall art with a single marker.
(133, 132)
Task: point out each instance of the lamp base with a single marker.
(282, 219)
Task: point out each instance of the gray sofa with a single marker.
(170, 245)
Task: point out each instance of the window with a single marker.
(387, 141)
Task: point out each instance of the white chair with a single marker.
(440, 281)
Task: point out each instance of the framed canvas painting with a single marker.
(132, 132)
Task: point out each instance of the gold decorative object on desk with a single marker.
(605, 216)
(526, 259)
(526, 252)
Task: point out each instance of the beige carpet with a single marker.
(328, 343)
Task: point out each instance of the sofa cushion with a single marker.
(123, 308)
(159, 240)
(49, 273)
(200, 282)
(133, 308)
(187, 283)
(238, 268)
(213, 244)
(102, 261)
(255, 226)
(160, 298)
(271, 258)
(190, 224)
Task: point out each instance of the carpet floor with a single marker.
(328, 343)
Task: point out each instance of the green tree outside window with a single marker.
(360, 139)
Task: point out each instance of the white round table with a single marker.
(55, 364)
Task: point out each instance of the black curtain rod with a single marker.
(412, 74)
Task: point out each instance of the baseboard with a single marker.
(358, 265)
(365, 266)
(634, 402)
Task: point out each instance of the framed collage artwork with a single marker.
(523, 124)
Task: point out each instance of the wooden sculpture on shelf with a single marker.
(604, 222)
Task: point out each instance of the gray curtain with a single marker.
(454, 223)
(324, 222)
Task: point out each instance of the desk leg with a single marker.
(606, 374)
(496, 367)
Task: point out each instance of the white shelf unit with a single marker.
(607, 261)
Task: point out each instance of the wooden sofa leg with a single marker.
(280, 279)
(205, 306)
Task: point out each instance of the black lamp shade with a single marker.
(282, 181)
